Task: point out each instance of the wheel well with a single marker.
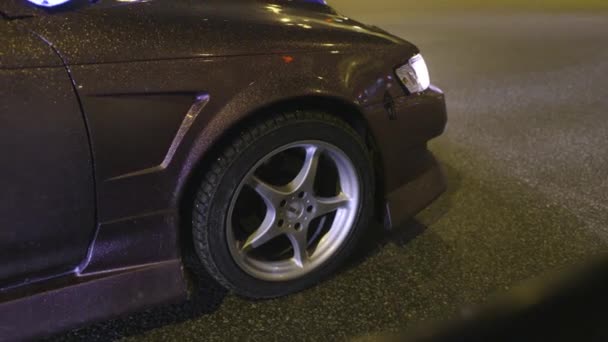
(346, 111)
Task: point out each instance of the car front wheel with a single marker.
(284, 204)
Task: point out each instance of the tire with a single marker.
(242, 204)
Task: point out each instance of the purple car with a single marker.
(257, 138)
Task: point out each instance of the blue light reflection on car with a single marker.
(53, 3)
(48, 3)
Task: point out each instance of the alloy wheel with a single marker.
(293, 210)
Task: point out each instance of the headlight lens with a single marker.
(415, 75)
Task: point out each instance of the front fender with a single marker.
(135, 110)
(357, 80)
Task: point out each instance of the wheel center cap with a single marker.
(294, 210)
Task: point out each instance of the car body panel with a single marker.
(163, 83)
(24, 49)
(148, 190)
(74, 301)
(147, 31)
(48, 208)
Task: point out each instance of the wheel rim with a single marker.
(279, 230)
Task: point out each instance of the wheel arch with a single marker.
(348, 111)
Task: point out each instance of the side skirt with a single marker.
(75, 301)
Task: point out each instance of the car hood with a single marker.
(162, 29)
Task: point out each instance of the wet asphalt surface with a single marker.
(527, 165)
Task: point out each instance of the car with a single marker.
(258, 138)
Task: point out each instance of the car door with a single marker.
(47, 203)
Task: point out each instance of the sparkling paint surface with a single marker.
(525, 155)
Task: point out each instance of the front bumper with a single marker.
(412, 177)
(415, 195)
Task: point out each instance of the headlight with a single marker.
(415, 75)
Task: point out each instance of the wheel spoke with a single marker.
(267, 231)
(330, 204)
(299, 243)
(306, 177)
(270, 194)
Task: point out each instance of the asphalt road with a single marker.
(527, 163)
